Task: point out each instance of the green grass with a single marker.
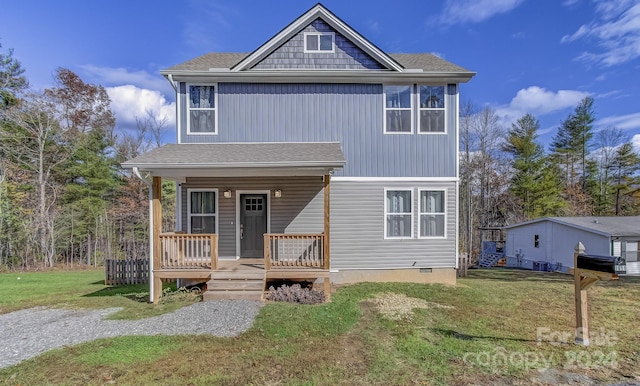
(487, 336)
(81, 289)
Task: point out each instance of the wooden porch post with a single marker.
(156, 187)
(327, 229)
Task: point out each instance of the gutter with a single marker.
(326, 76)
(136, 172)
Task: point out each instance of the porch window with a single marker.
(432, 213)
(398, 213)
(316, 42)
(431, 113)
(398, 105)
(201, 109)
(202, 211)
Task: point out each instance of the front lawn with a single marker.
(494, 327)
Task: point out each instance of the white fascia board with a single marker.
(394, 179)
(324, 76)
(182, 173)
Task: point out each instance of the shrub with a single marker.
(295, 294)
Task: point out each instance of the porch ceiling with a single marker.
(240, 159)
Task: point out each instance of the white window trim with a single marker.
(216, 214)
(384, 108)
(404, 189)
(215, 108)
(420, 213)
(420, 109)
(319, 51)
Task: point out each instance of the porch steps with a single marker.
(245, 285)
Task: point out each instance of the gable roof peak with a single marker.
(318, 11)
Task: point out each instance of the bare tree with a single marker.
(29, 138)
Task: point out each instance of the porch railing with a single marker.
(189, 251)
(293, 251)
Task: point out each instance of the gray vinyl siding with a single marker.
(299, 210)
(351, 114)
(291, 54)
(357, 229)
(357, 220)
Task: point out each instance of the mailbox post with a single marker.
(587, 270)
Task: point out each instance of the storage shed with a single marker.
(548, 243)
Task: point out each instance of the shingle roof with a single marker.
(425, 62)
(238, 155)
(611, 225)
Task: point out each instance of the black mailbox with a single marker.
(598, 263)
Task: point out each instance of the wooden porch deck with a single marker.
(244, 278)
(195, 256)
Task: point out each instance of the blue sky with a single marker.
(537, 56)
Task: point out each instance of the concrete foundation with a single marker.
(435, 276)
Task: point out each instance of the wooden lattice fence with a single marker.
(131, 271)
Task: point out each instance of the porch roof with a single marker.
(240, 158)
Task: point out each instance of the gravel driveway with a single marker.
(27, 333)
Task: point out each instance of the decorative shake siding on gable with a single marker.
(291, 54)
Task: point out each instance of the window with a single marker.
(431, 114)
(398, 109)
(201, 110)
(319, 42)
(432, 214)
(398, 213)
(536, 241)
(202, 211)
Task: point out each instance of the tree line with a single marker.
(507, 176)
(63, 196)
(65, 199)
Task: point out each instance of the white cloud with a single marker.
(109, 76)
(538, 101)
(131, 102)
(636, 142)
(475, 11)
(616, 30)
(622, 122)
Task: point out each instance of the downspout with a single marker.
(173, 84)
(136, 172)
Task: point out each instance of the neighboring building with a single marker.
(552, 240)
(316, 149)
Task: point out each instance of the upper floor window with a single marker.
(398, 213)
(398, 109)
(432, 214)
(431, 114)
(201, 110)
(319, 42)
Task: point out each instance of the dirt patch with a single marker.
(397, 306)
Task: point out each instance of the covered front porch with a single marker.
(245, 223)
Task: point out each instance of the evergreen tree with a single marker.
(626, 164)
(535, 181)
(570, 149)
(12, 79)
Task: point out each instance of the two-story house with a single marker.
(318, 154)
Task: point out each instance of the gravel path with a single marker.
(27, 333)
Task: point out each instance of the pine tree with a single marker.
(570, 148)
(626, 164)
(535, 180)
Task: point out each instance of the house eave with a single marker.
(318, 76)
